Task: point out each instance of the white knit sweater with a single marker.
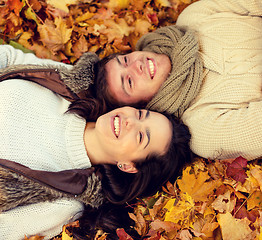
(225, 118)
(36, 132)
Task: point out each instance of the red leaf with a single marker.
(121, 233)
(236, 169)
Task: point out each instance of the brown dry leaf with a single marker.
(140, 223)
(162, 225)
(185, 235)
(224, 203)
(80, 47)
(116, 29)
(232, 228)
(198, 185)
(54, 35)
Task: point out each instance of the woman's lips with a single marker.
(116, 125)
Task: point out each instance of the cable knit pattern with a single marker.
(185, 78)
(225, 117)
(27, 111)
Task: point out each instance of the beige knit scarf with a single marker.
(184, 81)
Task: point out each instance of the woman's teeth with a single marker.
(151, 68)
(116, 126)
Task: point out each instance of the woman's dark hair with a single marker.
(121, 187)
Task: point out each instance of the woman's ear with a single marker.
(127, 167)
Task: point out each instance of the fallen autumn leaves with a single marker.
(212, 199)
(207, 202)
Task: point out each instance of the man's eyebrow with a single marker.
(148, 137)
(123, 86)
(147, 114)
(117, 59)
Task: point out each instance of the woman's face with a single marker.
(136, 76)
(127, 134)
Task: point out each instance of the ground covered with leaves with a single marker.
(211, 199)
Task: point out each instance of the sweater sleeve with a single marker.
(227, 132)
(11, 56)
(199, 10)
(43, 219)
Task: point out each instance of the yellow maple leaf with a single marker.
(142, 26)
(232, 228)
(255, 200)
(55, 34)
(118, 4)
(180, 210)
(197, 185)
(62, 5)
(65, 235)
(256, 172)
(163, 3)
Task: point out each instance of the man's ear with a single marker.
(127, 167)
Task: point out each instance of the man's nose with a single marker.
(138, 66)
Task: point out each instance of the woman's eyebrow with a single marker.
(147, 130)
(148, 137)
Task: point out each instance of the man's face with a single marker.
(136, 76)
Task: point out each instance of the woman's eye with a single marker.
(140, 137)
(130, 82)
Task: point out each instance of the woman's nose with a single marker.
(130, 123)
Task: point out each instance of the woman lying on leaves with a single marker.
(58, 156)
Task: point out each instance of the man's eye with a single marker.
(125, 60)
(140, 114)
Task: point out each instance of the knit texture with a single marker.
(225, 117)
(185, 78)
(27, 111)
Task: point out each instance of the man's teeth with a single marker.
(116, 126)
(151, 68)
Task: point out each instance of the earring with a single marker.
(120, 165)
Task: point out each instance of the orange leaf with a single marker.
(15, 5)
(196, 185)
(54, 34)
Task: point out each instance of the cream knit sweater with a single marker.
(35, 132)
(226, 117)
